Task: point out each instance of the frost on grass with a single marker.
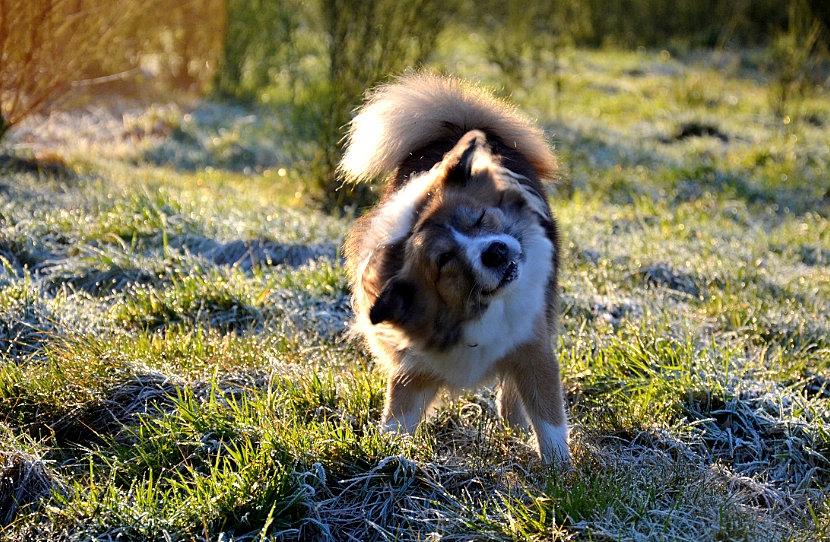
(251, 253)
(221, 136)
(290, 302)
(182, 337)
(662, 274)
(26, 322)
(18, 251)
(394, 496)
(670, 494)
(24, 480)
(104, 272)
(142, 393)
(25, 477)
(770, 433)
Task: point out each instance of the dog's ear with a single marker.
(521, 201)
(517, 196)
(394, 304)
(458, 162)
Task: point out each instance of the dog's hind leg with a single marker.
(408, 398)
(509, 404)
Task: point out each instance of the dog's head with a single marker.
(464, 249)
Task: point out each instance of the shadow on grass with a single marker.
(248, 254)
(48, 167)
(92, 422)
(104, 273)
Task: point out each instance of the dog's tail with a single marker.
(414, 110)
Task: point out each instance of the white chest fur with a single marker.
(508, 322)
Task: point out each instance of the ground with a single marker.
(175, 361)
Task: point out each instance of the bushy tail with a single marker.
(415, 110)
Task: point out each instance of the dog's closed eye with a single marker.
(480, 220)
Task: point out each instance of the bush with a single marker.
(45, 46)
(526, 40)
(51, 47)
(257, 41)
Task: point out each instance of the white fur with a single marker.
(552, 441)
(406, 423)
(508, 322)
(396, 216)
(393, 220)
(414, 110)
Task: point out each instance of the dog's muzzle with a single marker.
(510, 273)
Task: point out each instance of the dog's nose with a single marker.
(495, 255)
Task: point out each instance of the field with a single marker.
(175, 362)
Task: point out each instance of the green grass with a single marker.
(175, 361)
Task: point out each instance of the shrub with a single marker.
(50, 47)
(524, 40)
(258, 39)
(46, 46)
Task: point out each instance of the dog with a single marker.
(454, 271)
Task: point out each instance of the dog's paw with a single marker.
(395, 426)
(553, 444)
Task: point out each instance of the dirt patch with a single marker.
(813, 255)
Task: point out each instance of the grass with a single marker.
(175, 362)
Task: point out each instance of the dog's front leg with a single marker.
(509, 404)
(408, 398)
(535, 371)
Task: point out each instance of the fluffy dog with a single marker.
(454, 272)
